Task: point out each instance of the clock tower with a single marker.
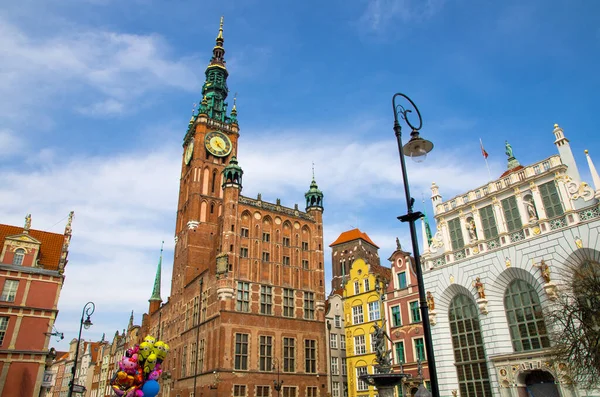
(247, 289)
(209, 143)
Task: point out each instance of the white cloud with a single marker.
(9, 143)
(110, 70)
(379, 13)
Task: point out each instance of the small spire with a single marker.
(27, 224)
(234, 108)
(156, 290)
(220, 35)
(130, 321)
(594, 174)
(313, 170)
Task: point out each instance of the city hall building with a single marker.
(495, 263)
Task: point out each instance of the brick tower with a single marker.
(247, 289)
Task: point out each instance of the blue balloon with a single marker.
(150, 388)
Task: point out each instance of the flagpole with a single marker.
(485, 158)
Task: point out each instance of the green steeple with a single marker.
(156, 291)
(214, 90)
(314, 197)
(427, 228)
(232, 173)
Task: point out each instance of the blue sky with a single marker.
(95, 96)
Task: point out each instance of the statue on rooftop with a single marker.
(509, 150)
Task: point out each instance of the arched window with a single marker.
(18, 258)
(469, 356)
(525, 317)
(214, 180)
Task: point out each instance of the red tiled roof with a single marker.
(383, 272)
(50, 248)
(352, 235)
(517, 168)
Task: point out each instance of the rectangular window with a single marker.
(263, 391)
(239, 390)
(357, 314)
(200, 356)
(266, 257)
(266, 237)
(266, 299)
(184, 362)
(311, 391)
(344, 367)
(3, 328)
(551, 200)
(343, 342)
(289, 391)
(309, 305)
(193, 365)
(204, 306)
(310, 356)
(266, 353)
(367, 285)
(488, 221)
(243, 297)
(333, 341)
(304, 263)
(415, 312)
(335, 369)
(196, 311)
(286, 260)
(304, 246)
(402, 280)
(360, 346)
(241, 351)
(9, 291)
(419, 349)
(289, 355)
(396, 318)
(245, 232)
(286, 241)
(335, 389)
(456, 236)
(399, 348)
(511, 214)
(374, 312)
(338, 321)
(356, 288)
(361, 385)
(243, 252)
(288, 302)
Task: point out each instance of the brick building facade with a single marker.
(32, 263)
(247, 290)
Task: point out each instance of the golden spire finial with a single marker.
(234, 108)
(585, 151)
(220, 36)
(555, 125)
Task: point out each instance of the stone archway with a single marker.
(538, 383)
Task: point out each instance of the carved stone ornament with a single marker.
(577, 191)
(436, 242)
(193, 224)
(482, 304)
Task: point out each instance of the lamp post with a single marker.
(416, 148)
(277, 383)
(87, 311)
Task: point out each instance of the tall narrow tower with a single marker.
(247, 289)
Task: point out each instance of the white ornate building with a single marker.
(484, 268)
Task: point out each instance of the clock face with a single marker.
(217, 143)
(189, 151)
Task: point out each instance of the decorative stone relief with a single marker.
(471, 229)
(436, 242)
(193, 224)
(431, 307)
(577, 191)
(578, 242)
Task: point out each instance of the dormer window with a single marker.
(18, 258)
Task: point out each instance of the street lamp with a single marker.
(416, 148)
(87, 311)
(277, 383)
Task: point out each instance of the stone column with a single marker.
(537, 200)
(500, 223)
(522, 209)
(564, 194)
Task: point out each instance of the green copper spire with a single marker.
(314, 197)
(215, 90)
(427, 228)
(232, 174)
(156, 291)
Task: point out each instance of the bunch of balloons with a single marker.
(139, 369)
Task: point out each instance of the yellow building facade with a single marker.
(362, 309)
